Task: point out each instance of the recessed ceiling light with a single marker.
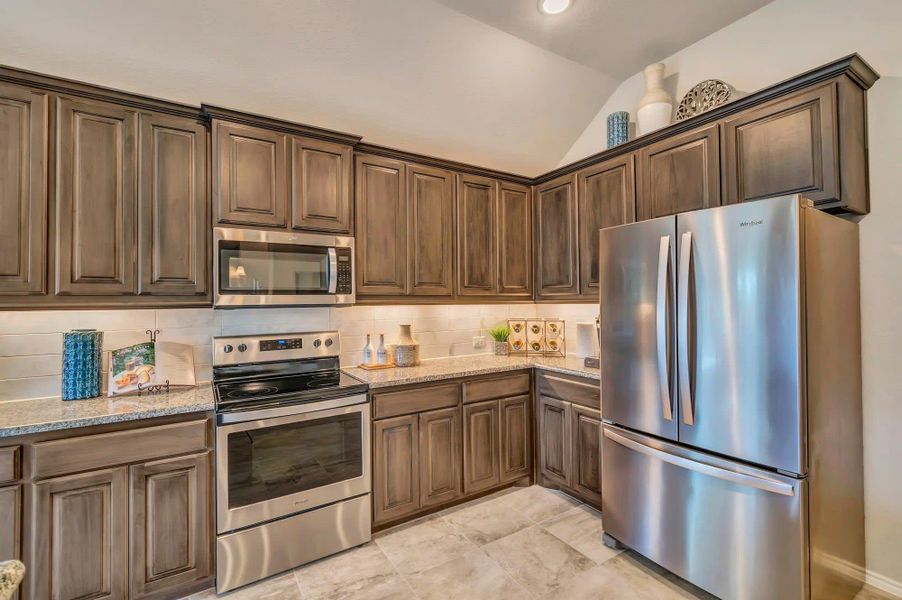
(553, 7)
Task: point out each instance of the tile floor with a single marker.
(517, 544)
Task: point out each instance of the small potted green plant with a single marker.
(500, 335)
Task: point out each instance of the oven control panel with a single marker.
(247, 349)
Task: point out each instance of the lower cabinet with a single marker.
(396, 468)
(482, 445)
(439, 456)
(170, 523)
(569, 437)
(11, 518)
(516, 437)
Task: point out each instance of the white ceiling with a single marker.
(614, 37)
(412, 74)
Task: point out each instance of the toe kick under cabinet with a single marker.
(110, 511)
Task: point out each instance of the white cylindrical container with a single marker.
(656, 106)
(369, 355)
(382, 351)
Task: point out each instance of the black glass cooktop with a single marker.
(289, 389)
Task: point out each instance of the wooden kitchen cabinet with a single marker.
(250, 185)
(320, 174)
(515, 438)
(557, 239)
(585, 439)
(170, 521)
(382, 222)
(440, 456)
(96, 198)
(23, 193)
(554, 439)
(80, 536)
(482, 444)
(679, 173)
(11, 518)
(477, 245)
(430, 225)
(174, 207)
(793, 144)
(607, 197)
(514, 236)
(396, 468)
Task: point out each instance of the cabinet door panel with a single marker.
(481, 446)
(477, 245)
(554, 439)
(430, 226)
(249, 182)
(556, 238)
(381, 201)
(80, 537)
(516, 432)
(11, 518)
(439, 456)
(96, 198)
(23, 190)
(320, 186)
(514, 240)
(170, 524)
(586, 453)
(783, 147)
(680, 173)
(607, 197)
(173, 206)
(396, 468)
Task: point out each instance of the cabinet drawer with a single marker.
(587, 393)
(9, 463)
(498, 387)
(392, 404)
(82, 453)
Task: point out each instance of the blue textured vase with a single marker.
(618, 128)
(82, 368)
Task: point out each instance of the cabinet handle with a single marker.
(662, 326)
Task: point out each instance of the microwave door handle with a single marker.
(662, 327)
(333, 270)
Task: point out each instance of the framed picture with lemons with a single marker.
(149, 364)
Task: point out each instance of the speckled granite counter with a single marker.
(22, 417)
(466, 366)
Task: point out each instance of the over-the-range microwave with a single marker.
(281, 268)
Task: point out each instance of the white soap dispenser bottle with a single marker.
(369, 357)
(382, 352)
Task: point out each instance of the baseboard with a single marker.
(883, 583)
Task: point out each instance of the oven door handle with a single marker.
(253, 419)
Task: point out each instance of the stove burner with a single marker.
(253, 390)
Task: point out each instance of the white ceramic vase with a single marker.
(407, 350)
(656, 106)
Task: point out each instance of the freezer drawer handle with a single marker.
(761, 483)
(683, 330)
(662, 326)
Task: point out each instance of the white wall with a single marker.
(31, 341)
(776, 42)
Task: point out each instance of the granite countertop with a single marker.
(437, 369)
(20, 417)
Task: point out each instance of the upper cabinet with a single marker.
(320, 185)
(679, 173)
(514, 235)
(477, 245)
(557, 244)
(96, 198)
(249, 182)
(430, 225)
(23, 190)
(607, 197)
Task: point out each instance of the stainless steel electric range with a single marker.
(292, 454)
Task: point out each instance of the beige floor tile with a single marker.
(538, 560)
(348, 574)
(425, 545)
(652, 581)
(279, 587)
(468, 577)
(539, 504)
(488, 521)
(574, 523)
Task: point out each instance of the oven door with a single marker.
(273, 268)
(272, 466)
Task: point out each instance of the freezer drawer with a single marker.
(735, 531)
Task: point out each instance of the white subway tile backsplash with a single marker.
(29, 345)
(188, 317)
(29, 387)
(38, 321)
(111, 320)
(13, 367)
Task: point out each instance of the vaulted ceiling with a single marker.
(469, 80)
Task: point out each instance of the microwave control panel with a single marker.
(345, 281)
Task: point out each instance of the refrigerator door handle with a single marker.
(662, 326)
(683, 359)
(743, 479)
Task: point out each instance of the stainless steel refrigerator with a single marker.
(731, 398)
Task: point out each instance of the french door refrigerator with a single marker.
(731, 398)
